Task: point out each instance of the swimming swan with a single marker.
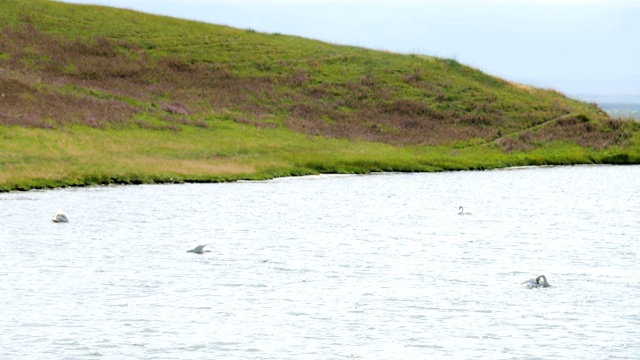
(462, 211)
(60, 216)
(200, 249)
(536, 282)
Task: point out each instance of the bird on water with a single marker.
(60, 216)
(200, 249)
(540, 281)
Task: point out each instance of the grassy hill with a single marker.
(96, 95)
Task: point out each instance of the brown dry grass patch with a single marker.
(187, 167)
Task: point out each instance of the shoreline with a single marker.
(295, 177)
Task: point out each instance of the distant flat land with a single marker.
(622, 110)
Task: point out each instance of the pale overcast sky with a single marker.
(574, 46)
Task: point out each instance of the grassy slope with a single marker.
(97, 95)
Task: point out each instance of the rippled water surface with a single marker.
(328, 267)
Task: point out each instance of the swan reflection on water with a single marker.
(200, 249)
(59, 217)
(540, 281)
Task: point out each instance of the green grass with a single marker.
(96, 95)
(229, 151)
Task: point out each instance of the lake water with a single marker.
(328, 267)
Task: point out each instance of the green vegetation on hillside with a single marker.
(97, 95)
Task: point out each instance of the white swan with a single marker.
(462, 211)
(200, 249)
(536, 282)
(60, 216)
